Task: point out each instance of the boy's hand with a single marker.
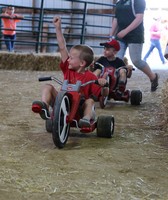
(102, 81)
(12, 16)
(130, 67)
(129, 70)
(57, 21)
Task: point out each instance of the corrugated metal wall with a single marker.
(52, 3)
(18, 2)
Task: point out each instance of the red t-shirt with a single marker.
(73, 76)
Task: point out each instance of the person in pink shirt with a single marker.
(155, 35)
(9, 19)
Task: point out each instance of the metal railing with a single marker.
(37, 31)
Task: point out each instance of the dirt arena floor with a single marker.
(132, 165)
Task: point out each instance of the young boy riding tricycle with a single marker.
(77, 79)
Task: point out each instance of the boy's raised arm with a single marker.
(60, 39)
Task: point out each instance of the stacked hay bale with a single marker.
(164, 106)
(29, 61)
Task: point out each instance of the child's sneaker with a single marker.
(84, 122)
(120, 89)
(121, 86)
(41, 108)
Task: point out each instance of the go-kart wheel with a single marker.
(103, 101)
(105, 126)
(136, 97)
(48, 125)
(61, 128)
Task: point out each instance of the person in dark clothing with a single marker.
(128, 28)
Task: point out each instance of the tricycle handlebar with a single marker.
(106, 85)
(94, 81)
(49, 78)
(45, 78)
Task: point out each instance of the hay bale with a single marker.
(164, 105)
(29, 61)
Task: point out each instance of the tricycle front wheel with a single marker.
(61, 128)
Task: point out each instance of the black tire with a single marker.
(136, 97)
(105, 126)
(61, 128)
(103, 101)
(48, 125)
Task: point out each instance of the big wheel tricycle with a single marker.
(66, 113)
(134, 96)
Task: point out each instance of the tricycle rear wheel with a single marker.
(105, 126)
(48, 125)
(136, 97)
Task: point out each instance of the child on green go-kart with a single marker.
(74, 66)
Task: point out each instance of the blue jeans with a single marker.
(9, 41)
(155, 44)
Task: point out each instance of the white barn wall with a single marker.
(47, 3)
(54, 4)
(17, 2)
